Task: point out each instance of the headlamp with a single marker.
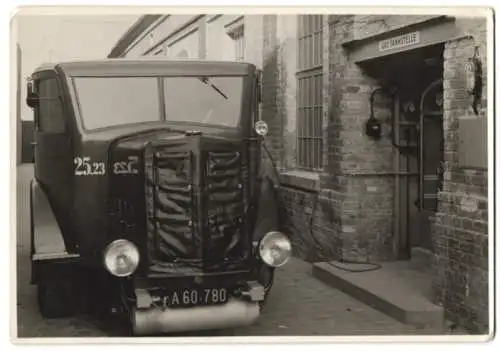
(121, 258)
(261, 128)
(275, 249)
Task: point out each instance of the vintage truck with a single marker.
(150, 198)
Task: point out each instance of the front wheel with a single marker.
(61, 290)
(266, 278)
(54, 298)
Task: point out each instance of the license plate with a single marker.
(195, 297)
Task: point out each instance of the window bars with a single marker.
(309, 92)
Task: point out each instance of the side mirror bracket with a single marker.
(32, 98)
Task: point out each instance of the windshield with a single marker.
(113, 101)
(110, 101)
(215, 100)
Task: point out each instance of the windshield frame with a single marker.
(246, 94)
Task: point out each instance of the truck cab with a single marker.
(150, 198)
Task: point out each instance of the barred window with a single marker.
(309, 92)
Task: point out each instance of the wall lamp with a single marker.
(474, 79)
(373, 127)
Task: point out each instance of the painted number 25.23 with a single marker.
(85, 167)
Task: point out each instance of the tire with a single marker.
(263, 303)
(55, 298)
(267, 282)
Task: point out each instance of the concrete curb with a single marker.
(412, 308)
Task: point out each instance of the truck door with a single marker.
(53, 147)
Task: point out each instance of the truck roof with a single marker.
(148, 67)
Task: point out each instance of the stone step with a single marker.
(395, 289)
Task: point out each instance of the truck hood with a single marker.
(156, 130)
(212, 205)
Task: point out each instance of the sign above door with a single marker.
(399, 41)
(432, 31)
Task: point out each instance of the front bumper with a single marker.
(149, 319)
(235, 313)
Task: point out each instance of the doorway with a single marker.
(415, 77)
(431, 159)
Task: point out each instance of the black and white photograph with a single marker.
(252, 173)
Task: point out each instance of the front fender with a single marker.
(267, 218)
(47, 241)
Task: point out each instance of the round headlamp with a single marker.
(275, 249)
(261, 128)
(121, 258)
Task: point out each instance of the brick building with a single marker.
(417, 192)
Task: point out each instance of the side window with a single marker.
(50, 110)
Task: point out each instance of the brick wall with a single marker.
(308, 217)
(271, 88)
(307, 214)
(286, 35)
(353, 215)
(369, 25)
(460, 237)
(357, 168)
(277, 111)
(346, 211)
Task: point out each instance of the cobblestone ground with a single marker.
(299, 305)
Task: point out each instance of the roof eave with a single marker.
(132, 33)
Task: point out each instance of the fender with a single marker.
(267, 220)
(267, 216)
(47, 242)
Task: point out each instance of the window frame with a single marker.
(309, 75)
(161, 103)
